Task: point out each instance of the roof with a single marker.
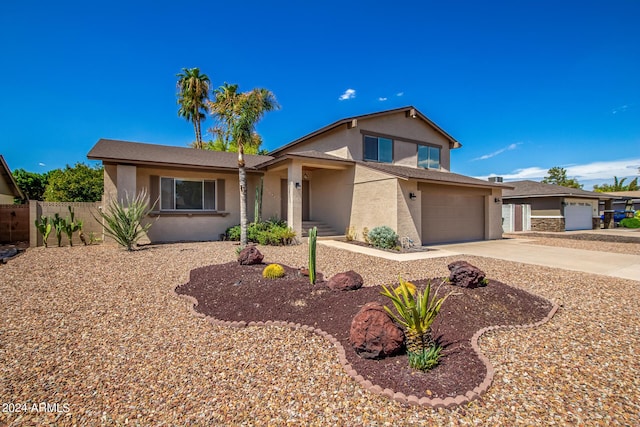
(310, 154)
(538, 189)
(6, 173)
(632, 194)
(110, 150)
(348, 120)
(432, 175)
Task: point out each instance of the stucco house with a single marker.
(536, 206)
(387, 168)
(8, 186)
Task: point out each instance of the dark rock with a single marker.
(250, 256)
(373, 334)
(466, 275)
(8, 253)
(347, 281)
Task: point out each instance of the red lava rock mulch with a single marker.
(239, 293)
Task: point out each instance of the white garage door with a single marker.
(451, 216)
(577, 217)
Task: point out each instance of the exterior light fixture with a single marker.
(298, 185)
(412, 196)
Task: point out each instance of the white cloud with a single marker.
(399, 93)
(348, 94)
(41, 164)
(620, 109)
(500, 151)
(382, 99)
(586, 172)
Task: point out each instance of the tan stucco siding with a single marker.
(405, 153)
(493, 215)
(6, 199)
(374, 200)
(6, 192)
(409, 211)
(330, 197)
(271, 196)
(338, 142)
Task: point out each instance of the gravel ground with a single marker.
(629, 244)
(98, 331)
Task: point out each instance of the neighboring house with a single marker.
(388, 168)
(625, 200)
(551, 207)
(8, 187)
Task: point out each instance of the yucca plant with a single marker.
(416, 312)
(123, 221)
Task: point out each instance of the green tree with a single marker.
(81, 183)
(618, 185)
(32, 184)
(236, 116)
(193, 93)
(558, 176)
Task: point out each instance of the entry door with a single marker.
(517, 219)
(284, 199)
(305, 201)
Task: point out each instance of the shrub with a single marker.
(365, 234)
(272, 232)
(383, 237)
(273, 271)
(630, 223)
(351, 234)
(123, 221)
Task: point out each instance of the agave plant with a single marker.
(416, 312)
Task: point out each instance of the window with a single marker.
(186, 194)
(378, 149)
(428, 157)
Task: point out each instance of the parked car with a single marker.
(618, 216)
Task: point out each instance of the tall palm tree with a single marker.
(237, 115)
(193, 92)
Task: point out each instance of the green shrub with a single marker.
(273, 271)
(630, 223)
(383, 237)
(426, 359)
(272, 232)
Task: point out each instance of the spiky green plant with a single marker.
(123, 221)
(416, 312)
(71, 226)
(313, 237)
(273, 271)
(59, 225)
(425, 359)
(257, 215)
(44, 227)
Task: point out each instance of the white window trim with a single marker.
(215, 194)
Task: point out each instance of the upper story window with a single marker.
(428, 157)
(378, 149)
(187, 194)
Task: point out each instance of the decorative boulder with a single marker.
(466, 275)
(373, 334)
(250, 256)
(348, 281)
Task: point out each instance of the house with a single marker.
(625, 200)
(8, 187)
(387, 168)
(536, 206)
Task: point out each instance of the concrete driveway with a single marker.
(520, 250)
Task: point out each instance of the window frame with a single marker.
(378, 138)
(202, 181)
(429, 147)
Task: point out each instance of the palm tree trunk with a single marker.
(195, 130)
(242, 174)
(199, 135)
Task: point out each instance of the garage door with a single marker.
(449, 215)
(577, 217)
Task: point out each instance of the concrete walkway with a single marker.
(519, 250)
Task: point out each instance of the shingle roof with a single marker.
(368, 116)
(153, 154)
(538, 189)
(431, 175)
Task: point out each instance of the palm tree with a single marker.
(237, 115)
(193, 92)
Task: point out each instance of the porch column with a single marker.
(608, 214)
(294, 206)
(126, 182)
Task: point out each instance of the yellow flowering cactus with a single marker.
(273, 271)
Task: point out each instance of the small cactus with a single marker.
(313, 237)
(273, 271)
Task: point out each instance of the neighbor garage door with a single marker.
(452, 214)
(577, 217)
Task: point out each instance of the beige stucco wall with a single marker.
(330, 196)
(348, 143)
(493, 215)
(6, 192)
(374, 200)
(409, 216)
(6, 199)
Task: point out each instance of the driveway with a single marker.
(520, 250)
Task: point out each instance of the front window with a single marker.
(428, 157)
(187, 194)
(378, 149)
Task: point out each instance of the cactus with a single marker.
(313, 236)
(44, 227)
(273, 271)
(59, 224)
(257, 217)
(70, 226)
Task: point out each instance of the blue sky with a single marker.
(524, 86)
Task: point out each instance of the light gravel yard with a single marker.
(99, 330)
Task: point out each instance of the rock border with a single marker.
(412, 400)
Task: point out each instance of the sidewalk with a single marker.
(518, 250)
